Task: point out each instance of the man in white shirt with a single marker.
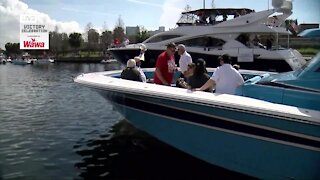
(138, 62)
(226, 78)
(185, 59)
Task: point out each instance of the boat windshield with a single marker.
(292, 74)
(313, 62)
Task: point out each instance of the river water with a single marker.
(52, 128)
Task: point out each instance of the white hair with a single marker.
(131, 63)
(182, 46)
(137, 58)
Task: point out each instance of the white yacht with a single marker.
(250, 38)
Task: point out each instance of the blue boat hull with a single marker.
(240, 141)
(19, 62)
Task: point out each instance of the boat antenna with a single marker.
(204, 4)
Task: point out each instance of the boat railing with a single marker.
(201, 17)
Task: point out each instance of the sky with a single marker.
(73, 15)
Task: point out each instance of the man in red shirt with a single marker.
(165, 66)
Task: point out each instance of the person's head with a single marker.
(236, 66)
(224, 59)
(171, 48)
(200, 67)
(190, 69)
(138, 60)
(131, 63)
(181, 49)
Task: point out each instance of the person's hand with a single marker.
(166, 84)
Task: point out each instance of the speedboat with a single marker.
(300, 88)
(9, 60)
(24, 60)
(254, 40)
(267, 140)
(44, 61)
(3, 61)
(51, 60)
(21, 61)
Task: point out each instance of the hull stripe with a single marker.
(215, 122)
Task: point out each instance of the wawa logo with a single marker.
(33, 44)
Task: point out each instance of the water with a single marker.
(52, 128)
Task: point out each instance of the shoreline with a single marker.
(79, 59)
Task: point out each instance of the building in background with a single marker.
(161, 29)
(305, 26)
(132, 30)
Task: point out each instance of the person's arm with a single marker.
(143, 76)
(187, 62)
(185, 74)
(240, 81)
(161, 78)
(209, 84)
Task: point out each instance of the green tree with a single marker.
(93, 40)
(106, 40)
(75, 40)
(142, 35)
(55, 41)
(118, 31)
(12, 49)
(65, 43)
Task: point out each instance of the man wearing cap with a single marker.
(165, 66)
(138, 64)
(185, 59)
(226, 78)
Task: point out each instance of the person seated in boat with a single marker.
(130, 72)
(226, 79)
(269, 43)
(165, 66)
(182, 82)
(236, 66)
(255, 42)
(184, 60)
(224, 17)
(199, 76)
(212, 18)
(243, 12)
(138, 67)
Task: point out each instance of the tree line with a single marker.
(90, 41)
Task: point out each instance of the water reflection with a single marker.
(127, 153)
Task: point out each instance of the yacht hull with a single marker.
(261, 64)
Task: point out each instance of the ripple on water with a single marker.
(42, 116)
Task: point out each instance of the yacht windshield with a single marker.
(159, 38)
(203, 41)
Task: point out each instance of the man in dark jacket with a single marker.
(130, 72)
